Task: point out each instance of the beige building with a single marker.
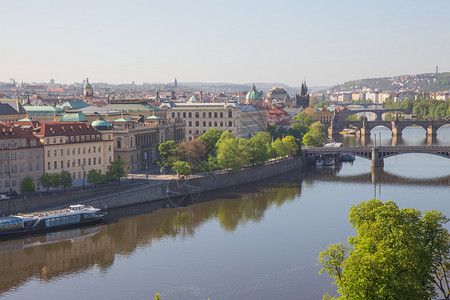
(242, 121)
(136, 143)
(76, 147)
(21, 155)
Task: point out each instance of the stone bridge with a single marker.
(379, 112)
(396, 127)
(376, 154)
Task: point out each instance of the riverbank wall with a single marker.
(154, 190)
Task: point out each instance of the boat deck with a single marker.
(50, 213)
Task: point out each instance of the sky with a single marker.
(324, 42)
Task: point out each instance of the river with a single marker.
(258, 241)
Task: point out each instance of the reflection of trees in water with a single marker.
(48, 257)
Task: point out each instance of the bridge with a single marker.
(379, 112)
(376, 154)
(396, 127)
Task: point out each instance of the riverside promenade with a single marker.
(146, 186)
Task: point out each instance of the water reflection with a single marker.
(46, 257)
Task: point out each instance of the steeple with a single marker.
(175, 84)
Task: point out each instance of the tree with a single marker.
(291, 144)
(228, 156)
(280, 148)
(166, 154)
(46, 181)
(258, 147)
(192, 152)
(27, 185)
(95, 176)
(395, 254)
(181, 168)
(116, 170)
(211, 136)
(55, 179)
(66, 179)
(315, 135)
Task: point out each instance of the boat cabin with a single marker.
(77, 207)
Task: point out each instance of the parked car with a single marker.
(4, 197)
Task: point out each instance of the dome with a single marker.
(253, 94)
(155, 118)
(193, 99)
(101, 124)
(87, 85)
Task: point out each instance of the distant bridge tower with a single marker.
(437, 70)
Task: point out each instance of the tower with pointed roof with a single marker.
(88, 93)
(302, 99)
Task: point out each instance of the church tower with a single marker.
(88, 93)
(302, 99)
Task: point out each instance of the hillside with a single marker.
(429, 82)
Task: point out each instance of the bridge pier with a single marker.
(431, 130)
(377, 161)
(365, 131)
(396, 130)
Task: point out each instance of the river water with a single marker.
(258, 241)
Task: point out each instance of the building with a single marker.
(136, 108)
(243, 121)
(76, 147)
(43, 113)
(11, 110)
(302, 99)
(278, 94)
(254, 97)
(136, 143)
(88, 93)
(323, 115)
(21, 155)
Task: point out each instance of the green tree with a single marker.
(95, 176)
(395, 254)
(55, 179)
(271, 152)
(116, 170)
(280, 148)
(258, 149)
(211, 136)
(46, 181)
(228, 156)
(181, 168)
(304, 119)
(192, 152)
(66, 179)
(166, 154)
(27, 185)
(291, 144)
(315, 135)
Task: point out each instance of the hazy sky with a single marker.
(325, 42)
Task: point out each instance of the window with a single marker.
(95, 161)
(221, 114)
(13, 182)
(197, 123)
(197, 114)
(190, 123)
(173, 114)
(210, 124)
(209, 115)
(84, 150)
(215, 114)
(184, 115)
(221, 124)
(55, 165)
(109, 148)
(215, 123)
(89, 149)
(30, 167)
(89, 161)
(119, 144)
(38, 167)
(62, 164)
(99, 149)
(204, 114)
(78, 150)
(68, 163)
(54, 140)
(79, 162)
(99, 160)
(48, 166)
(78, 138)
(84, 161)
(68, 151)
(73, 151)
(230, 124)
(54, 153)
(110, 159)
(73, 163)
(204, 123)
(190, 115)
(71, 139)
(13, 155)
(62, 152)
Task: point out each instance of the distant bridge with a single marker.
(379, 112)
(376, 154)
(396, 127)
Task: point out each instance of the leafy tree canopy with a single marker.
(66, 179)
(27, 185)
(396, 254)
(46, 181)
(95, 176)
(116, 170)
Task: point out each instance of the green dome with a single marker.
(101, 124)
(122, 120)
(254, 94)
(193, 99)
(153, 118)
(87, 84)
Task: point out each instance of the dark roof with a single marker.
(6, 109)
(15, 132)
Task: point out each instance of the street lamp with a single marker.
(132, 166)
(84, 174)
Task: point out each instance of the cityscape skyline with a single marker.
(326, 43)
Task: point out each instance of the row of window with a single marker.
(64, 220)
(14, 169)
(21, 155)
(204, 114)
(94, 150)
(90, 161)
(13, 183)
(210, 124)
(75, 138)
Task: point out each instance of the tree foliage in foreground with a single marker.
(27, 185)
(396, 254)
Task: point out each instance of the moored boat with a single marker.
(49, 220)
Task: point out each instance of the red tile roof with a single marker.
(7, 132)
(66, 129)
